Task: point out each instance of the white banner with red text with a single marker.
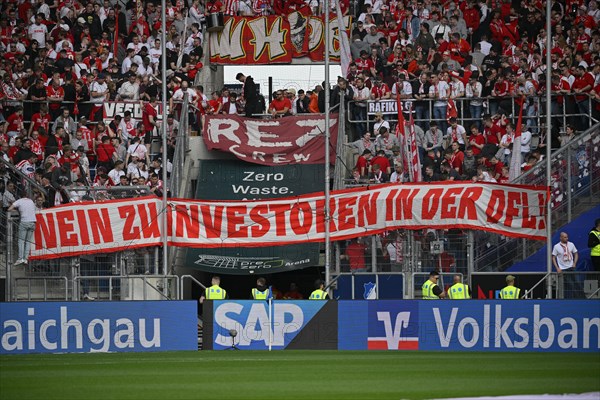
(87, 228)
(281, 141)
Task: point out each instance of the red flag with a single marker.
(451, 111)
(116, 38)
(516, 160)
(413, 155)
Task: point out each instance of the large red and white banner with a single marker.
(281, 141)
(275, 39)
(88, 228)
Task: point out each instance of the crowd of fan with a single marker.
(60, 61)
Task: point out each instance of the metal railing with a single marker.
(535, 120)
(565, 285)
(29, 187)
(128, 287)
(181, 150)
(53, 288)
(193, 280)
(575, 172)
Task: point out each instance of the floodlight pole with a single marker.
(548, 150)
(164, 136)
(327, 166)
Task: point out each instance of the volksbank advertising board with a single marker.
(487, 325)
(98, 327)
(238, 180)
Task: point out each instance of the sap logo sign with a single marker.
(253, 324)
(525, 329)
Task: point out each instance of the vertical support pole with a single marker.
(548, 144)
(327, 146)
(9, 257)
(569, 184)
(165, 256)
(470, 257)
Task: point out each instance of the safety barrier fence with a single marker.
(126, 287)
(575, 187)
(563, 112)
(533, 285)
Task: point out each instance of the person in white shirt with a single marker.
(564, 259)
(116, 172)
(155, 53)
(27, 210)
(38, 31)
(525, 143)
(138, 149)
(457, 133)
(98, 95)
(129, 90)
(178, 95)
(439, 91)
(127, 61)
(136, 44)
(127, 127)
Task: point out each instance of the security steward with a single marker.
(318, 293)
(510, 292)
(261, 291)
(594, 245)
(459, 291)
(215, 292)
(430, 289)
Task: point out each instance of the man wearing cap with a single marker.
(291, 95)
(380, 123)
(430, 289)
(459, 291)
(510, 292)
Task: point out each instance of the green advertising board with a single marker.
(237, 180)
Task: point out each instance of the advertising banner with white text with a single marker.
(86, 228)
(98, 327)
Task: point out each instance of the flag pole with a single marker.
(270, 319)
(548, 149)
(326, 209)
(163, 45)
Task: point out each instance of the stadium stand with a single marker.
(464, 71)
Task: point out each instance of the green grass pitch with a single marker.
(294, 375)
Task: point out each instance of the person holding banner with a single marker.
(261, 291)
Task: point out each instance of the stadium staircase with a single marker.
(575, 189)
